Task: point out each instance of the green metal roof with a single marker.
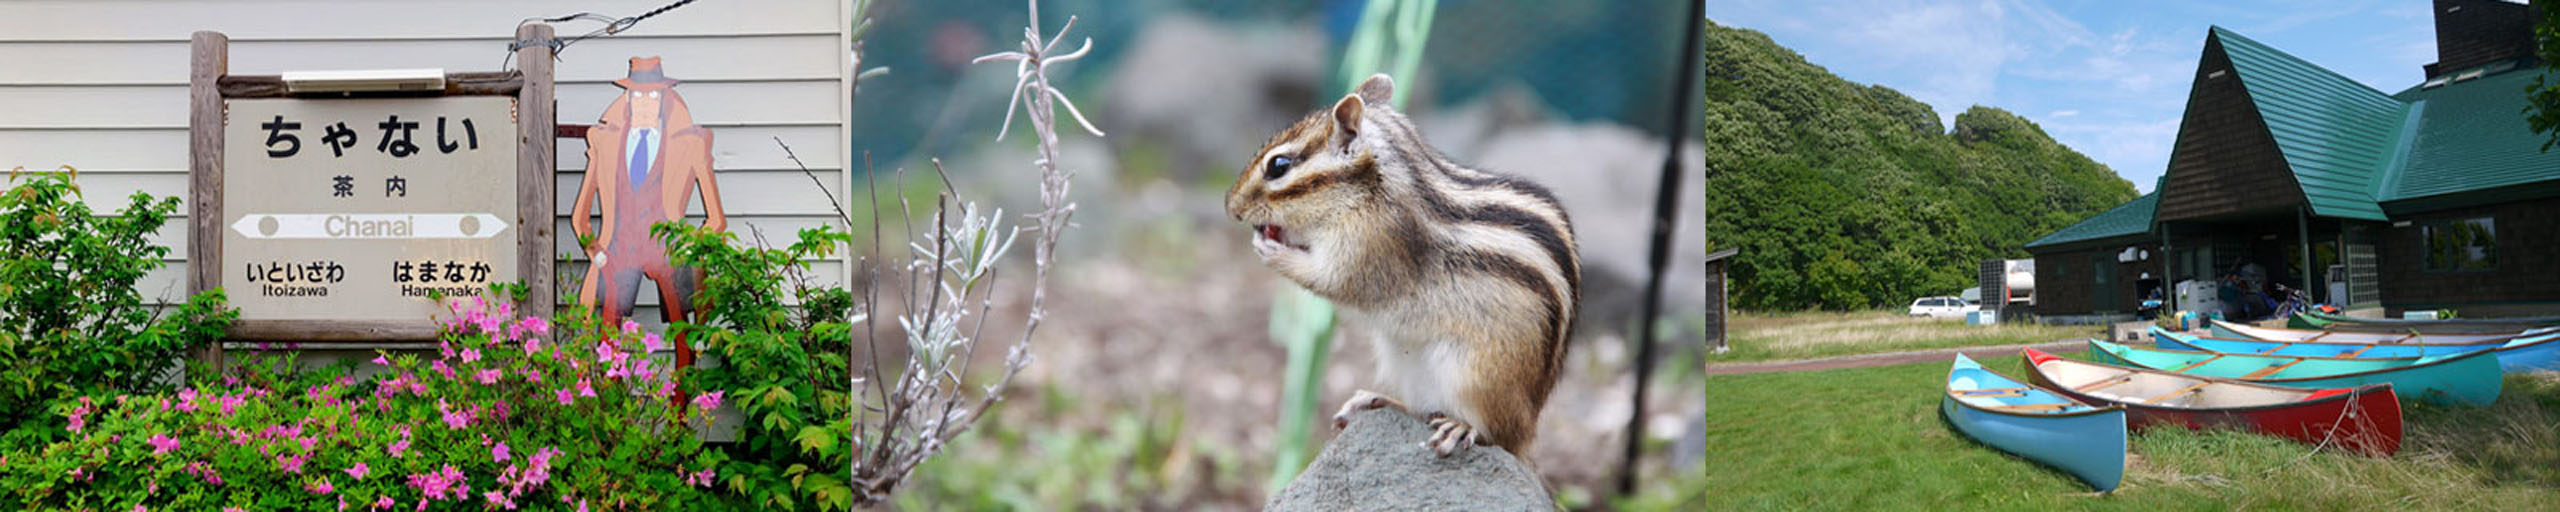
(2131, 218)
(2352, 148)
(2471, 135)
(2338, 134)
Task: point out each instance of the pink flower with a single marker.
(187, 400)
(162, 444)
(232, 402)
(698, 478)
(629, 326)
(397, 447)
(453, 418)
(358, 471)
(498, 453)
(233, 509)
(470, 355)
(383, 502)
(708, 401)
(586, 390)
(566, 396)
(446, 484)
(441, 368)
(382, 359)
(490, 376)
(80, 415)
(137, 507)
(604, 352)
(321, 487)
(652, 342)
(535, 324)
(292, 464)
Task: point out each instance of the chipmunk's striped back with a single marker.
(1387, 225)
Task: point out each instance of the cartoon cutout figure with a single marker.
(643, 160)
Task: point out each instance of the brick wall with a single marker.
(2474, 32)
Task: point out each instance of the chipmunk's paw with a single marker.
(1450, 436)
(1363, 400)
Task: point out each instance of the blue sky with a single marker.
(2108, 78)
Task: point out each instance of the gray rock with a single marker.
(1379, 463)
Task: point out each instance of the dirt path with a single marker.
(1888, 358)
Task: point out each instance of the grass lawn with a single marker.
(1771, 336)
(1871, 439)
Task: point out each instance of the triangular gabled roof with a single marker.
(2338, 136)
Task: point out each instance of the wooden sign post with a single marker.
(331, 213)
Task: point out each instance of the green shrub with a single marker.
(787, 366)
(72, 321)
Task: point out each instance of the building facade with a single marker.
(2435, 197)
(103, 87)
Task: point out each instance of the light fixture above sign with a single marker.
(364, 80)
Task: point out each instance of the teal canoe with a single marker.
(2528, 353)
(2236, 331)
(2083, 440)
(2316, 320)
(2470, 378)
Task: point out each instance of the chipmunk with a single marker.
(1470, 276)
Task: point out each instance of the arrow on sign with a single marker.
(368, 226)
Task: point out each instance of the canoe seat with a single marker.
(2102, 383)
(1992, 392)
(2272, 369)
(2031, 407)
(2191, 366)
(2181, 391)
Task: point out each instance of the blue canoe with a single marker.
(2085, 441)
(2536, 352)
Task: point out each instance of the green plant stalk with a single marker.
(1299, 319)
(1305, 323)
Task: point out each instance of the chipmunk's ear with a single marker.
(1346, 120)
(1378, 89)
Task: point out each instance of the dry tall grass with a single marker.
(1760, 336)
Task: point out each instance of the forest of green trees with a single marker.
(1842, 196)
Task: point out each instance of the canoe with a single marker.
(2529, 353)
(2469, 378)
(2228, 330)
(2039, 425)
(2363, 419)
(2319, 320)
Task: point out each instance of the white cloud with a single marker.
(2063, 113)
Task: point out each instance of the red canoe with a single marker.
(2362, 419)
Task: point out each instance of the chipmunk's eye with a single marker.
(1278, 167)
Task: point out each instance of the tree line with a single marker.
(1842, 196)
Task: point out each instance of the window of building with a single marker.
(2461, 245)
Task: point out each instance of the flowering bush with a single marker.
(510, 412)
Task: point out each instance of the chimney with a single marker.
(2471, 33)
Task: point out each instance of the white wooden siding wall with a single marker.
(102, 86)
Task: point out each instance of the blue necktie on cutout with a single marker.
(640, 157)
